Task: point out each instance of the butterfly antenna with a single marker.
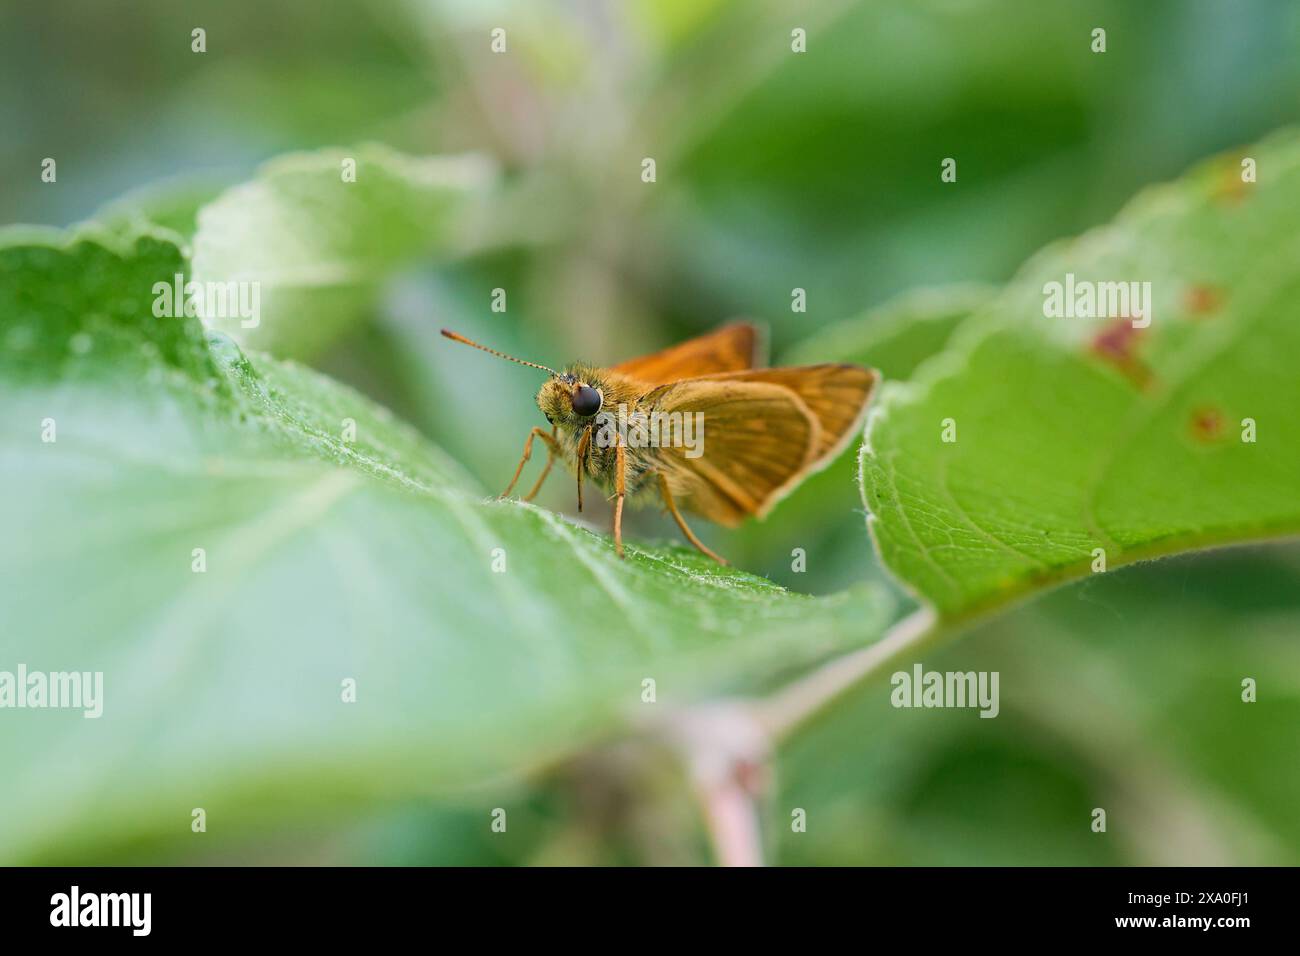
(455, 337)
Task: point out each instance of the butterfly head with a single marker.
(570, 399)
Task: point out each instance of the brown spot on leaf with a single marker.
(1202, 300)
(1208, 423)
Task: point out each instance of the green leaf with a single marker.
(326, 559)
(318, 244)
(1074, 435)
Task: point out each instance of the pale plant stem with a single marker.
(731, 814)
(728, 745)
(795, 703)
(726, 755)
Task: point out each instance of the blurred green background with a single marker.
(775, 171)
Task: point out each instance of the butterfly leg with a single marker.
(681, 522)
(584, 443)
(620, 489)
(551, 453)
(553, 446)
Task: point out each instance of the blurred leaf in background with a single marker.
(318, 232)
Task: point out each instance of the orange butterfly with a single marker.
(699, 423)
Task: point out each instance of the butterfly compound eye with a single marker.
(586, 400)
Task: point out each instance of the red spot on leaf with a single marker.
(1117, 345)
(1208, 423)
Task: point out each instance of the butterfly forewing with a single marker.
(731, 348)
(836, 394)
